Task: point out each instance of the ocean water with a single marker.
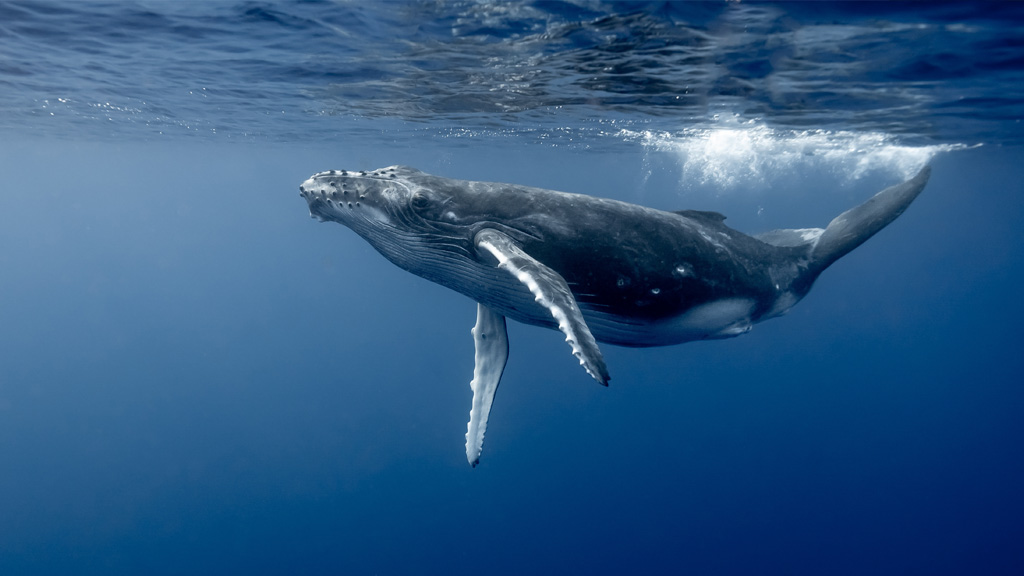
(196, 378)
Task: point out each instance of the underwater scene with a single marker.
(206, 369)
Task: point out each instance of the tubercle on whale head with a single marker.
(341, 195)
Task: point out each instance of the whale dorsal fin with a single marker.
(551, 291)
(705, 215)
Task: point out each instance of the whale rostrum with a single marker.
(597, 270)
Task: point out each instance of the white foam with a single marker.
(731, 152)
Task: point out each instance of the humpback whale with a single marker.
(596, 269)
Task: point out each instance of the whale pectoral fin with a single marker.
(551, 291)
(491, 341)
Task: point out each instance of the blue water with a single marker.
(196, 378)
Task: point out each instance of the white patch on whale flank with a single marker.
(717, 319)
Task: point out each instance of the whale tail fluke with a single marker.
(853, 227)
(818, 248)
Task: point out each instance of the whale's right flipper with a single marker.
(851, 228)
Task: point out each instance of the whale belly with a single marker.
(723, 318)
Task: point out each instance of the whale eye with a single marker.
(420, 201)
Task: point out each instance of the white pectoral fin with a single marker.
(551, 291)
(491, 341)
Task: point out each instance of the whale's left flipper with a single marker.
(491, 339)
(551, 291)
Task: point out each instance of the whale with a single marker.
(596, 269)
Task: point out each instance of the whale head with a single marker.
(406, 214)
(360, 199)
